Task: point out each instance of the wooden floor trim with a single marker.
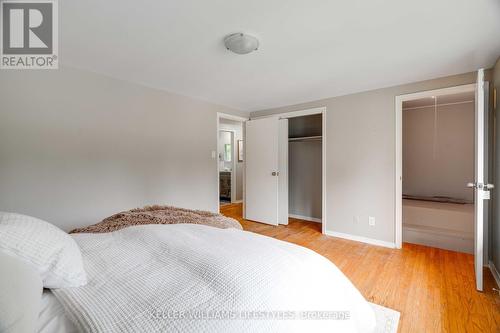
(361, 239)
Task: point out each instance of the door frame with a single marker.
(306, 112)
(227, 116)
(398, 174)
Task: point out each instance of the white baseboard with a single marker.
(361, 239)
(305, 218)
(495, 273)
(237, 201)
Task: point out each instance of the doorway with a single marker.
(227, 166)
(438, 162)
(230, 160)
(479, 183)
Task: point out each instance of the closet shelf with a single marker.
(305, 138)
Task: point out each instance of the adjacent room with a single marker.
(249, 166)
(438, 162)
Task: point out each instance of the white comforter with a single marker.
(195, 278)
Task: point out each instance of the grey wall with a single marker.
(441, 165)
(311, 125)
(495, 221)
(360, 162)
(304, 174)
(76, 147)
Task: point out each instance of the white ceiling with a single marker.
(309, 49)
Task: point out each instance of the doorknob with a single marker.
(481, 186)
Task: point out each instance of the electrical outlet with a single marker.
(371, 221)
(355, 219)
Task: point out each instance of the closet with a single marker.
(283, 168)
(304, 167)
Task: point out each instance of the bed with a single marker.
(190, 278)
(175, 277)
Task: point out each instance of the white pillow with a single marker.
(52, 252)
(20, 295)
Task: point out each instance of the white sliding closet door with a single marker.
(261, 170)
(283, 172)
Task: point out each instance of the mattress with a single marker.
(196, 278)
(52, 318)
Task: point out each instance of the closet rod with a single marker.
(306, 138)
(442, 104)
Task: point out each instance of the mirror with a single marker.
(227, 153)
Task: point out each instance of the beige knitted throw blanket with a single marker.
(159, 215)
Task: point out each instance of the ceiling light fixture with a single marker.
(241, 43)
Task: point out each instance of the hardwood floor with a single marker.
(433, 289)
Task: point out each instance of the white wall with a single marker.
(76, 147)
(441, 165)
(360, 162)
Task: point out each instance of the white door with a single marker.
(283, 172)
(481, 190)
(261, 170)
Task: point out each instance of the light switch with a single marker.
(371, 221)
(214, 154)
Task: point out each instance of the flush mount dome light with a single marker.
(241, 43)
